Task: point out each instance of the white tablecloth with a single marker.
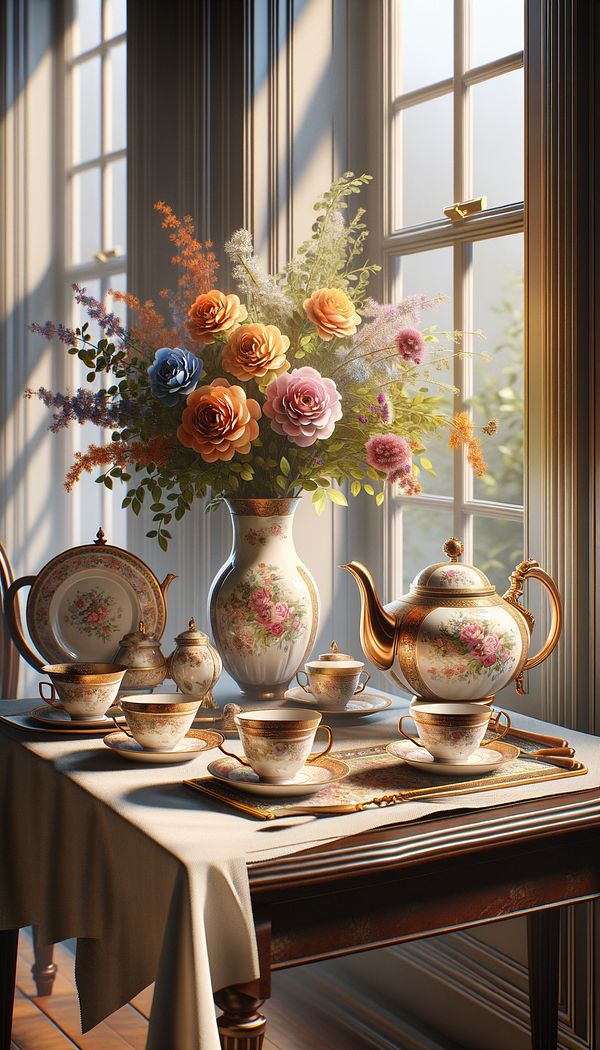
(152, 878)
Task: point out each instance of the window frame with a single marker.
(459, 236)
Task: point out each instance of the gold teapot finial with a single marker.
(192, 624)
(142, 627)
(453, 548)
(334, 647)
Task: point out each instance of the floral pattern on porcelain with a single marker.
(276, 757)
(454, 740)
(456, 576)
(260, 536)
(94, 613)
(160, 732)
(83, 701)
(259, 612)
(195, 669)
(466, 647)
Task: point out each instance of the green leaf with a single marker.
(355, 488)
(426, 463)
(284, 467)
(319, 501)
(279, 480)
(370, 490)
(152, 534)
(379, 498)
(337, 496)
(163, 543)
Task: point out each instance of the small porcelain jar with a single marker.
(334, 678)
(195, 664)
(140, 652)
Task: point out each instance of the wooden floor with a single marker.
(296, 1021)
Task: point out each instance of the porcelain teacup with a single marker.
(277, 743)
(159, 721)
(333, 685)
(453, 732)
(84, 690)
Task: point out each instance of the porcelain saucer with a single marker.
(58, 717)
(310, 778)
(197, 741)
(366, 703)
(484, 760)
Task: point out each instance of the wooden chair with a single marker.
(43, 969)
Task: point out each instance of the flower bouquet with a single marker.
(294, 382)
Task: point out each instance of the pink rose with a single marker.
(280, 611)
(79, 603)
(488, 650)
(261, 598)
(472, 635)
(388, 452)
(303, 405)
(277, 629)
(93, 618)
(263, 616)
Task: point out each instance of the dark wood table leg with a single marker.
(44, 969)
(542, 949)
(9, 940)
(241, 1025)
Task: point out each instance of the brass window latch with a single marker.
(462, 209)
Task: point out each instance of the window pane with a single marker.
(430, 273)
(116, 118)
(118, 283)
(498, 138)
(427, 50)
(497, 548)
(88, 114)
(498, 384)
(87, 237)
(87, 25)
(423, 154)
(115, 16)
(424, 532)
(496, 29)
(116, 234)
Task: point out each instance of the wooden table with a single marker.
(418, 880)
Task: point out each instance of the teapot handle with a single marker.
(13, 620)
(532, 569)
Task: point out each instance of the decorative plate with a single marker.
(57, 716)
(481, 761)
(26, 722)
(84, 601)
(197, 741)
(367, 703)
(313, 777)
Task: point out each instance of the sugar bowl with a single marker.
(141, 654)
(195, 664)
(334, 678)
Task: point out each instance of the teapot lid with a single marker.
(334, 654)
(335, 662)
(192, 636)
(452, 578)
(140, 638)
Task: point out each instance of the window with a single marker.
(455, 133)
(96, 196)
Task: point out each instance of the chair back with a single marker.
(9, 671)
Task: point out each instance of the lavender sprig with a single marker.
(85, 406)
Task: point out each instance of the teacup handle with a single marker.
(320, 754)
(301, 684)
(363, 685)
(48, 699)
(230, 754)
(413, 739)
(496, 728)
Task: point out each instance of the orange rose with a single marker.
(218, 421)
(255, 349)
(332, 313)
(212, 313)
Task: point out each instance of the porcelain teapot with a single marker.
(452, 637)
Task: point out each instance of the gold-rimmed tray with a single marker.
(25, 722)
(57, 717)
(84, 600)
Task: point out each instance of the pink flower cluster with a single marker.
(272, 615)
(410, 345)
(485, 649)
(388, 453)
(303, 405)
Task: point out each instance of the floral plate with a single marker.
(84, 600)
(319, 774)
(481, 761)
(197, 741)
(367, 703)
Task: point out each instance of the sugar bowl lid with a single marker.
(335, 662)
(140, 638)
(453, 577)
(192, 636)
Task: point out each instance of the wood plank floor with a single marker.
(296, 1020)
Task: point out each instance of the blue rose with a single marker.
(173, 374)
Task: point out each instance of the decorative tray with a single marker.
(377, 778)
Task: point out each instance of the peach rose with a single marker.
(332, 313)
(214, 312)
(218, 421)
(255, 349)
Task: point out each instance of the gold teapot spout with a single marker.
(377, 627)
(168, 580)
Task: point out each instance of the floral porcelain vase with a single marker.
(263, 603)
